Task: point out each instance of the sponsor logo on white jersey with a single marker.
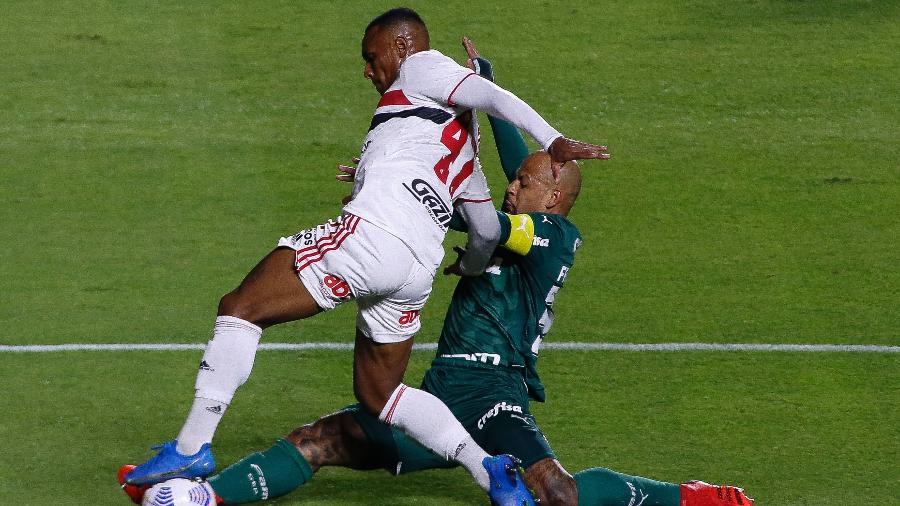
(428, 196)
(499, 407)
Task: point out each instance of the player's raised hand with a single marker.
(471, 52)
(476, 62)
(564, 149)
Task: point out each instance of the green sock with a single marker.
(262, 475)
(602, 487)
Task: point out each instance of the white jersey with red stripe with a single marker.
(419, 157)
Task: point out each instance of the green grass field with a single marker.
(151, 153)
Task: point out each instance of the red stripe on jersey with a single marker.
(390, 413)
(464, 174)
(396, 97)
(312, 254)
(450, 97)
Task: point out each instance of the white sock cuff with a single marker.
(232, 321)
(387, 413)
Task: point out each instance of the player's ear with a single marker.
(553, 199)
(401, 45)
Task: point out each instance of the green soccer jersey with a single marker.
(500, 317)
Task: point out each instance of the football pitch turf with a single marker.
(151, 153)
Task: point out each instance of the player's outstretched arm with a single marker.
(511, 145)
(486, 96)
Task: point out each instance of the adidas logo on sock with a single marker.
(217, 409)
(204, 366)
(459, 450)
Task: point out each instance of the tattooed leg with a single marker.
(551, 483)
(334, 440)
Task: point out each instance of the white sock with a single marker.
(226, 365)
(200, 425)
(429, 421)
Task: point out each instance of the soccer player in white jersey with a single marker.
(418, 161)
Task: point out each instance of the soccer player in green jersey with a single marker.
(485, 366)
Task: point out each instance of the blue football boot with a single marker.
(507, 485)
(168, 464)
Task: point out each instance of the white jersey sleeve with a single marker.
(477, 189)
(487, 97)
(432, 76)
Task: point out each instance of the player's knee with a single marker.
(235, 304)
(370, 397)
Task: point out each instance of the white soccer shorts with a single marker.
(349, 258)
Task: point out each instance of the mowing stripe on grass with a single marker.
(815, 348)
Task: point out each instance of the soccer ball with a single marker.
(180, 492)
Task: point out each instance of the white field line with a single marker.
(813, 348)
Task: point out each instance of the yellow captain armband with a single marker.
(521, 233)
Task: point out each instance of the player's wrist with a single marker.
(550, 139)
(484, 68)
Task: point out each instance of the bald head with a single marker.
(535, 190)
(569, 185)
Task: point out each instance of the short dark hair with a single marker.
(395, 17)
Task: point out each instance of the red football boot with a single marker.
(698, 493)
(135, 492)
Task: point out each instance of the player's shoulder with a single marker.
(428, 61)
(429, 56)
(430, 76)
(557, 221)
(552, 228)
